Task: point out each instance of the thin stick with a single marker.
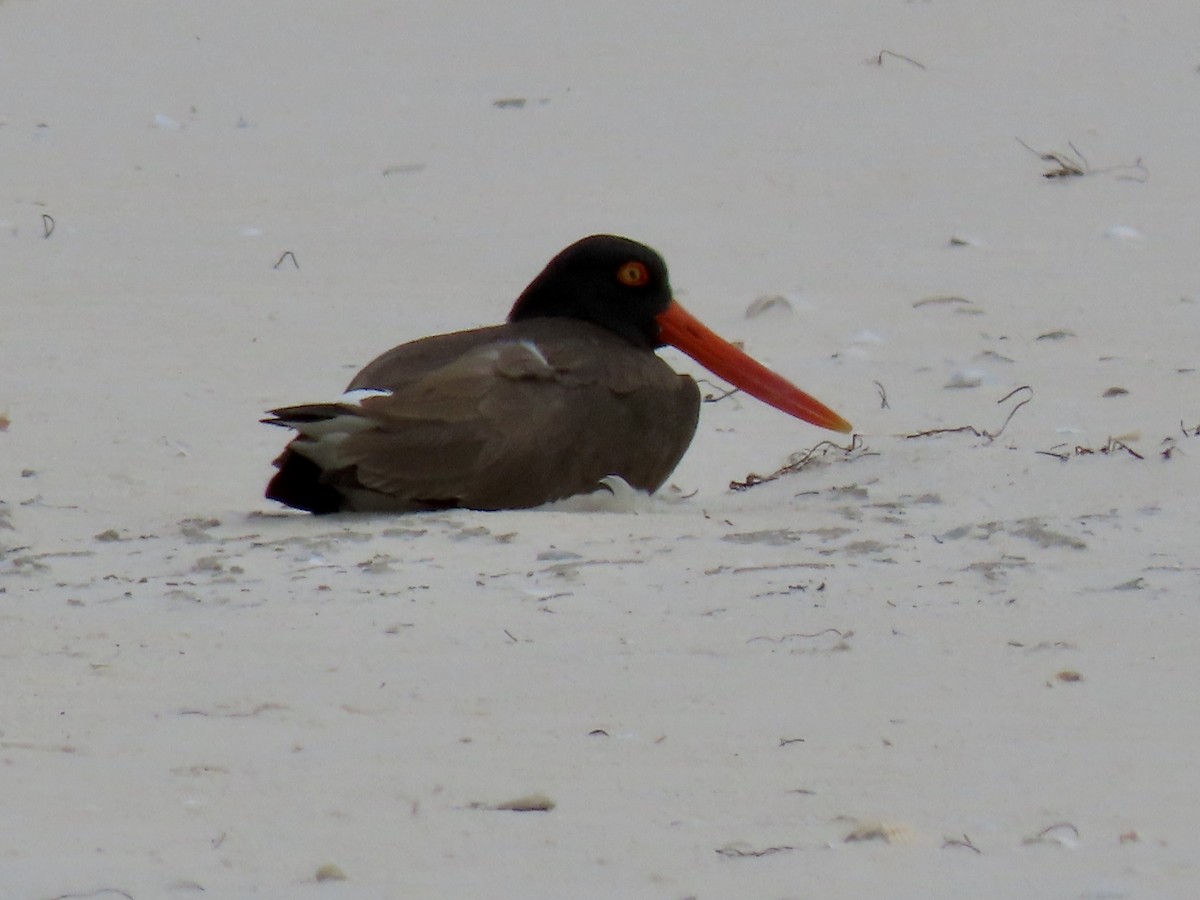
(1066, 167)
(722, 392)
(965, 842)
(989, 436)
(1111, 446)
(878, 60)
(798, 462)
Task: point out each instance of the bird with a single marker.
(567, 392)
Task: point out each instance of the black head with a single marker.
(607, 280)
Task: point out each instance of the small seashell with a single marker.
(768, 303)
(1123, 232)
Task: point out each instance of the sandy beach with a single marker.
(954, 656)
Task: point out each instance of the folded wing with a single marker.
(489, 420)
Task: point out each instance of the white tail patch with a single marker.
(324, 436)
(334, 427)
(323, 449)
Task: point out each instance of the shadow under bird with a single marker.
(568, 391)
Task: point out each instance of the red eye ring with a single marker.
(633, 274)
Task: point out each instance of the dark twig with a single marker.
(721, 393)
(742, 851)
(285, 255)
(1111, 446)
(1041, 836)
(1066, 166)
(989, 436)
(883, 401)
(237, 714)
(878, 60)
(47, 225)
(798, 462)
(794, 635)
(965, 842)
(1114, 446)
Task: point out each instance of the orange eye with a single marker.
(633, 274)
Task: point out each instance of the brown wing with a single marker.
(501, 418)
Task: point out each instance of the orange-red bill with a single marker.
(681, 329)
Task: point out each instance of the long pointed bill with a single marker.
(681, 329)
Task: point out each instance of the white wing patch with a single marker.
(535, 351)
(356, 397)
(522, 360)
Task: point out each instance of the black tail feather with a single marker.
(298, 484)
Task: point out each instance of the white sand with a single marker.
(716, 693)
